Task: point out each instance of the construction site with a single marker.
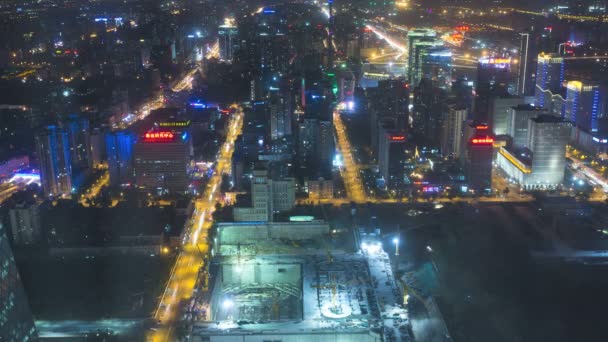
(294, 281)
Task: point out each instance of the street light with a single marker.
(396, 242)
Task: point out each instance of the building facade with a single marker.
(16, 323)
(53, 149)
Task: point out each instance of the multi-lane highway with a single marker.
(194, 246)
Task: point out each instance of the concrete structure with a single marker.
(542, 164)
(16, 322)
(25, 223)
(478, 162)
(452, 131)
(119, 151)
(320, 189)
(268, 197)
(548, 136)
(161, 160)
(519, 117)
(499, 117)
(79, 137)
(585, 105)
(414, 36)
(391, 155)
(227, 34)
(549, 77)
(53, 149)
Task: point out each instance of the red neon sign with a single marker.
(482, 141)
(398, 138)
(159, 136)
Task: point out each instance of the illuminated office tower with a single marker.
(420, 52)
(547, 139)
(227, 34)
(53, 149)
(414, 36)
(549, 77)
(16, 323)
(478, 160)
(585, 104)
(518, 122)
(161, 159)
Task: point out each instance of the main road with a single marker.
(351, 172)
(195, 247)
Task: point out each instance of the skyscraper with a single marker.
(53, 149)
(161, 160)
(280, 114)
(478, 161)
(493, 79)
(518, 122)
(436, 65)
(391, 156)
(389, 103)
(16, 323)
(527, 65)
(227, 36)
(413, 37)
(79, 138)
(499, 112)
(452, 130)
(547, 139)
(119, 151)
(421, 50)
(585, 104)
(549, 77)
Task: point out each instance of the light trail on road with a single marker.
(351, 173)
(186, 271)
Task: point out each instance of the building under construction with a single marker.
(291, 281)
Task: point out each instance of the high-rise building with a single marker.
(436, 65)
(98, 146)
(391, 156)
(499, 112)
(585, 104)
(519, 119)
(161, 160)
(280, 114)
(452, 131)
(478, 162)
(325, 144)
(422, 49)
(493, 79)
(413, 36)
(547, 139)
(79, 137)
(549, 77)
(25, 223)
(53, 149)
(527, 65)
(388, 103)
(542, 164)
(119, 150)
(16, 323)
(227, 40)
